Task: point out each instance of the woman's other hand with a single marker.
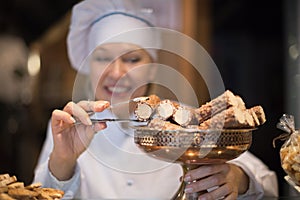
(228, 180)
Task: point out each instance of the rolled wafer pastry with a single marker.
(8, 180)
(4, 176)
(153, 100)
(160, 124)
(259, 112)
(254, 116)
(166, 108)
(239, 103)
(232, 117)
(145, 109)
(185, 116)
(217, 105)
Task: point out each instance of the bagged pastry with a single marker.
(290, 150)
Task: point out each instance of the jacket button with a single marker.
(129, 182)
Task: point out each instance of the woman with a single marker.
(108, 164)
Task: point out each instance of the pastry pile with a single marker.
(227, 111)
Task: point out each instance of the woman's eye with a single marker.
(132, 59)
(103, 59)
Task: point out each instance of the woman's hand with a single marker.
(71, 140)
(228, 179)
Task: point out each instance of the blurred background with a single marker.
(255, 45)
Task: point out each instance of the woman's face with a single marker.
(116, 71)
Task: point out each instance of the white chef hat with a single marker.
(95, 22)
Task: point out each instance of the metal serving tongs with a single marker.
(135, 100)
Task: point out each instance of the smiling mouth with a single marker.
(118, 90)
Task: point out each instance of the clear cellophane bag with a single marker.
(290, 150)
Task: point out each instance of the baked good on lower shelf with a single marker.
(11, 189)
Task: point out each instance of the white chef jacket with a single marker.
(113, 167)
